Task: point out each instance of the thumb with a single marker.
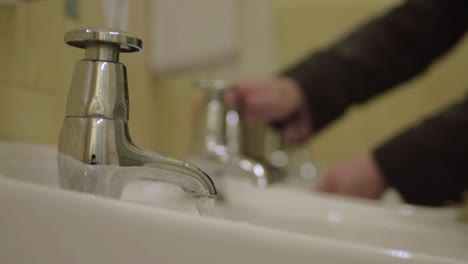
(231, 99)
(327, 185)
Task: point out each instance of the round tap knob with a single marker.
(215, 88)
(103, 44)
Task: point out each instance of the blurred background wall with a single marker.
(36, 68)
(303, 25)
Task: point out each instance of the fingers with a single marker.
(298, 129)
(294, 133)
(252, 98)
(358, 177)
(264, 100)
(231, 99)
(270, 101)
(326, 186)
(235, 97)
(261, 106)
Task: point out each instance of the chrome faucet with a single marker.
(218, 137)
(96, 154)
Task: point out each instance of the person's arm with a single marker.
(428, 164)
(379, 55)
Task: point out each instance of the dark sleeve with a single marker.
(428, 164)
(379, 55)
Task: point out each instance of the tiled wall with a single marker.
(39, 68)
(36, 68)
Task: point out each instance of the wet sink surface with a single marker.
(401, 231)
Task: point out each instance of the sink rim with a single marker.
(29, 193)
(50, 149)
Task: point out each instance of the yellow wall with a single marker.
(305, 25)
(36, 68)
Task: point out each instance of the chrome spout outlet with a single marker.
(96, 153)
(218, 138)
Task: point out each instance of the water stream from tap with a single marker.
(116, 13)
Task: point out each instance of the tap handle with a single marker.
(214, 87)
(103, 44)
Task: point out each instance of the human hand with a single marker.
(274, 100)
(359, 177)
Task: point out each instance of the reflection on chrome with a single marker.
(96, 156)
(406, 210)
(398, 253)
(334, 216)
(96, 153)
(279, 158)
(308, 171)
(218, 138)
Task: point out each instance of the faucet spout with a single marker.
(96, 153)
(107, 161)
(260, 172)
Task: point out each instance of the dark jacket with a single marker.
(427, 164)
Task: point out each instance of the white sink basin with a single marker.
(274, 225)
